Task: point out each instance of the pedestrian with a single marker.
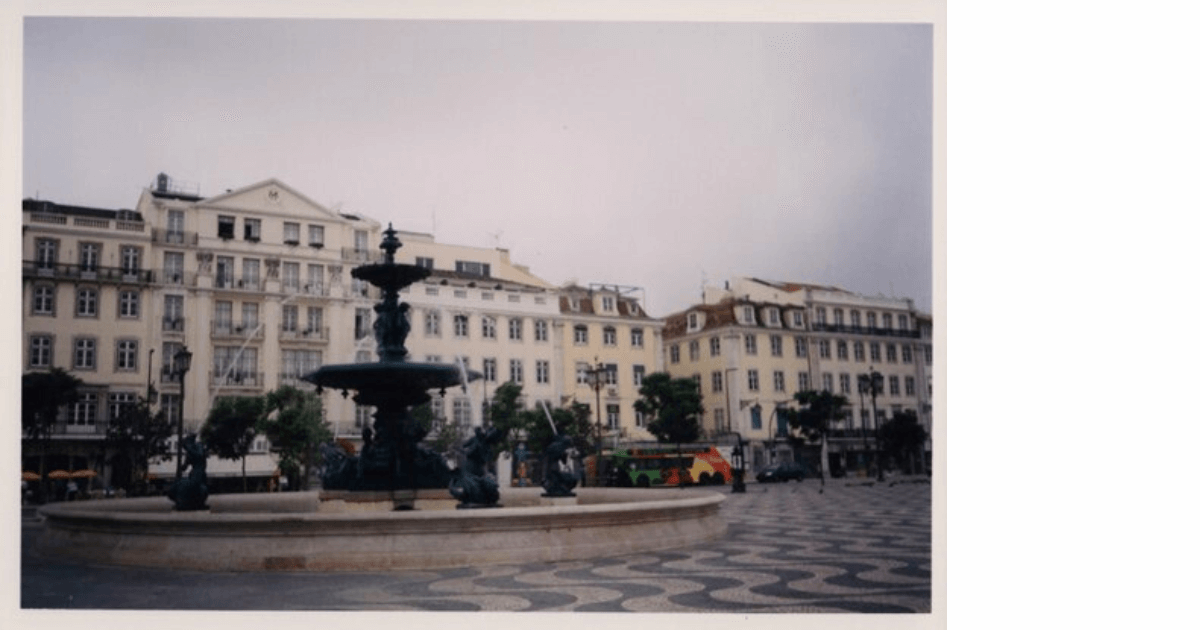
(72, 490)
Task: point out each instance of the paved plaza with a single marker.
(856, 547)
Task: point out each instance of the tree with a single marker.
(818, 411)
(42, 395)
(292, 421)
(231, 427)
(139, 435)
(902, 436)
(505, 412)
(672, 407)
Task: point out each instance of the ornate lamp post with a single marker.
(875, 384)
(596, 382)
(181, 363)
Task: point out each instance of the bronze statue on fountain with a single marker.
(392, 457)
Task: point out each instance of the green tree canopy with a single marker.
(140, 435)
(902, 436)
(506, 413)
(231, 427)
(672, 407)
(819, 409)
(292, 421)
(42, 395)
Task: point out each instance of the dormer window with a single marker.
(693, 322)
(747, 314)
(607, 303)
(772, 317)
(574, 303)
(797, 319)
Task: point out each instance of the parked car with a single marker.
(782, 472)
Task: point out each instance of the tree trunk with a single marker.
(824, 457)
(244, 490)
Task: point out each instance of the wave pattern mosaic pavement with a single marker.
(854, 548)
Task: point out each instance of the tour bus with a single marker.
(660, 466)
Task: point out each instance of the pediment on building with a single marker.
(271, 197)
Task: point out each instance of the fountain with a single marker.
(392, 506)
(392, 456)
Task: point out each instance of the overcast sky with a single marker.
(654, 155)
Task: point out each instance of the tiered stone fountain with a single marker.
(392, 506)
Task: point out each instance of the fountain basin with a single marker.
(295, 532)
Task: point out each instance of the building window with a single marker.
(461, 326)
(460, 293)
(225, 226)
(516, 371)
(488, 326)
(902, 321)
(85, 354)
(802, 383)
(637, 338)
(842, 350)
(719, 420)
(838, 317)
(541, 330)
(461, 411)
(543, 372)
(714, 346)
(928, 355)
(858, 352)
(46, 253)
(874, 351)
(489, 370)
(894, 385)
(747, 314)
(425, 263)
(316, 235)
(291, 233)
(906, 354)
(887, 321)
(41, 351)
(694, 350)
(473, 268)
(175, 226)
(718, 382)
(43, 299)
(776, 346)
(89, 256)
(316, 320)
(129, 304)
(127, 351)
(821, 315)
(613, 416)
(433, 324)
(844, 383)
(870, 319)
(83, 412)
(772, 317)
(610, 336)
(249, 316)
(639, 373)
(797, 319)
(291, 317)
(362, 416)
(607, 303)
(173, 267)
(752, 380)
(891, 353)
(85, 302)
(827, 382)
(756, 417)
(252, 229)
(674, 351)
(581, 335)
(777, 380)
(119, 403)
(823, 348)
(515, 326)
(581, 373)
(855, 319)
(693, 322)
(250, 275)
(639, 419)
(910, 386)
(362, 323)
(751, 344)
(610, 374)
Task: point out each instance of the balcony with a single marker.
(863, 330)
(176, 277)
(173, 237)
(167, 376)
(64, 271)
(352, 254)
(229, 282)
(230, 330)
(293, 379)
(316, 288)
(236, 379)
(173, 324)
(318, 335)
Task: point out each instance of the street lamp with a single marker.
(596, 382)
(181, 363)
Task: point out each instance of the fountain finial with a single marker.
(390, 243)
